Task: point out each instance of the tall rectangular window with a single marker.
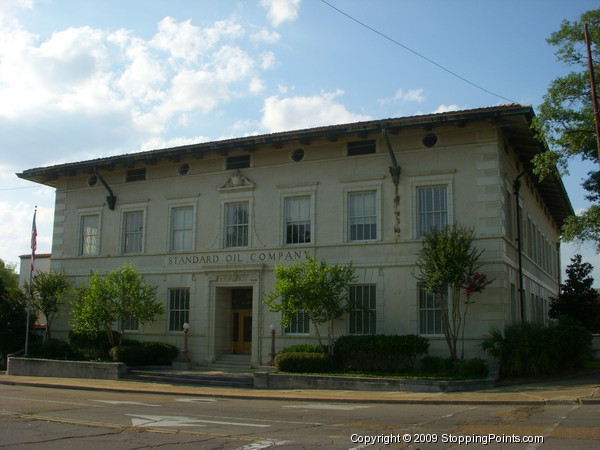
(362, 216)
(236, 225)
(432, 208)
(299, 324)
(89, 235)
(430, 312)
(130, 323)
(181, 228)
(297, 220)
(179, 308)
(363, 304)
(133, 232)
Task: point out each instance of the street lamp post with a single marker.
(272, 360)
(186, 329)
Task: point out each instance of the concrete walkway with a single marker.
(581, 389)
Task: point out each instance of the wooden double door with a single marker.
(241, 321)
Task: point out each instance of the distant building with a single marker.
(207, 223)
(42, 264)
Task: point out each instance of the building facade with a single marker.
(207, 223)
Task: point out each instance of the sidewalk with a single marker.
(582, 389)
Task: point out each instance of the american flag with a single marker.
(33, 241)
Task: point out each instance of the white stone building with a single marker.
(207, 223)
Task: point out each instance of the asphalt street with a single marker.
(60, 418)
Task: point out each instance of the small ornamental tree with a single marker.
(49, 289)
(312, 287)
(447, 264)
(116, 297)
(577, 298)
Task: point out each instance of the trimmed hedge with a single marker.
(302, 348)
(379, 352)
(475, 368)
(299, 362)
(134, 353)
(53, 349)
(131, 355)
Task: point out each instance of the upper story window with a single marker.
(182, 228)
(133, 231)
(237, 162)
(362, 216)
(236, 225)
(135, 175)
(297, 220)
(89, 235)
(432, 208)
(361, 147)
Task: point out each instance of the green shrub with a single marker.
(298, 362)
(160, 353)
(52, 349)
(380, 353)
(136, 353)
(94, 346)
(529, 349)
(131, 355)
(302, 348)
(459, 368)
(475, 368)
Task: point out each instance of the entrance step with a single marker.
(232, 363)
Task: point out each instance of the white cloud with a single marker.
(279, 11)
(305, 112)
(156, 143)
(446, 108)
(15, 228)
(269, 37)
(412, 95)
(267, 60)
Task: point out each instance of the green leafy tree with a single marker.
(313, 287)
(577, 298)
(112, 299)
(566, 120)
(49, 291)
(447, 265)
(13, 312)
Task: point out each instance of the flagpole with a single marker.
(33, 248)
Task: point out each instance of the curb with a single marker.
(275, 397)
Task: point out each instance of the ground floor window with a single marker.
(179, 308)
(299, 324)
(430, 312)
(130, 323)
(363, 304)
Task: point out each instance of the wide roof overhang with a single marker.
(514, 120)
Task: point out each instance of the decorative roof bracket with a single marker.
(394, 168)
(110, 199)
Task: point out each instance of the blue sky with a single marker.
(90, 78)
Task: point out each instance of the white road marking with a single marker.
(264, 444)
(119, 402)
(180, 421)
(196, 400)
(328, 406)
